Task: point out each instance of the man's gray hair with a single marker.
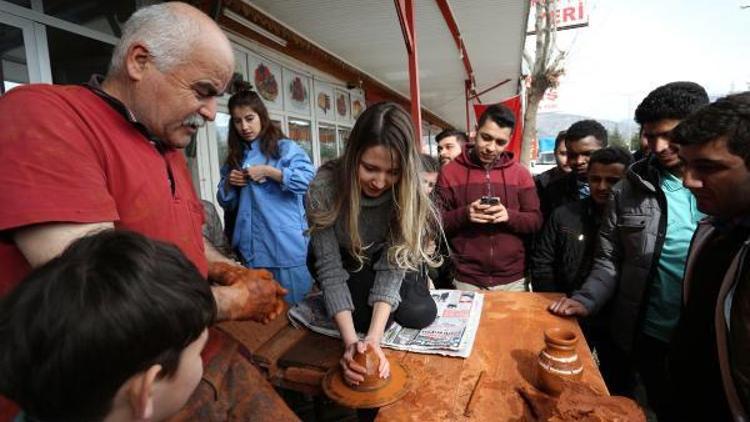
(168, 34)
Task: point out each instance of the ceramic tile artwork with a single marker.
(342, 105)
(265, 76)
(296, 92)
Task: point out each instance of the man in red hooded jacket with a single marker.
(488, 204)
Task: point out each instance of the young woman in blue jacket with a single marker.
(263, 181)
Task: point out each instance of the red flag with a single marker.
(514, 104)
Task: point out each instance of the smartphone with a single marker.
(489, 200)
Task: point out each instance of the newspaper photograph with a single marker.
(451, 334)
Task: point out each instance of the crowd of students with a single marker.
(650, 254)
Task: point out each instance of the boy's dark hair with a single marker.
(611, 155)
(112, 305)
(675, 100)
(559, 139)
(728, 117)
(430, 164)
(460, 135)
(500, 114)
(584, 128)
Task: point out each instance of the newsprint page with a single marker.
(451, 334)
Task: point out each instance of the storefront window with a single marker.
(74, 58)
(327, 139)
(343, 138)
(191, 156)
(15, 70)
(103, 16)
(277, 123)
(222, 135)
(299, 131)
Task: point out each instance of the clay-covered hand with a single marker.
(353, 372)
(251, 294)
(568, 307)
(384, 369)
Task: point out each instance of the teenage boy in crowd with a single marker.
(643, 244)
(581, 140)
(561, 168)
(564, 250)
(441, 277)
(710, 357)
(489, 204)
(429, 174)
(450, 144)
(111, 330)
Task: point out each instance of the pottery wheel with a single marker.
(337, 390)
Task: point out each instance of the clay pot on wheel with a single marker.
(373, 391)
(558, 362)
(370, 362)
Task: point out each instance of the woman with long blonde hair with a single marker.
(370, 224)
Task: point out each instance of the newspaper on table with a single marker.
(451, 334)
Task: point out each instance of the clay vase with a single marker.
(372, 380)
(558, 362)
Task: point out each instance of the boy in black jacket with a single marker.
(564, 250)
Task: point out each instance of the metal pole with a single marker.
(467, 87)
(416, 103)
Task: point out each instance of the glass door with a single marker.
(327, 141)
(300, 132)
(19, 58)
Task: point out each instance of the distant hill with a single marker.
(549, 124)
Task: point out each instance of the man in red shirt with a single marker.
(78, 159)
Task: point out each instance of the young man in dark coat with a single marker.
(710, 357)
(643, 244)
(581, 140)
(564, 250)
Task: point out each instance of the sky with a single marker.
(631, 47)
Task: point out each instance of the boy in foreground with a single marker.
(111, 330)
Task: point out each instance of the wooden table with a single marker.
(509, 338)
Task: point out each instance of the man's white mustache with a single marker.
(194, 120)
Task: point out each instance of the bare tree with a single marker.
(546, 67)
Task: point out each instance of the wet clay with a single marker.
(373, 391)
(578, 402)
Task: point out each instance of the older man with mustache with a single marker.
(78, 159)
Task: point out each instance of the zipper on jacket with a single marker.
(661, 237)
(488, 266)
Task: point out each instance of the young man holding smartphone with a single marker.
(488, 204)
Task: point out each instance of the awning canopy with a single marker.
(366, 34)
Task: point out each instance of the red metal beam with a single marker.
(416, 100)
(405, 10)
(450, 20)
(467, 89)
(476, 96)
(405, 30)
